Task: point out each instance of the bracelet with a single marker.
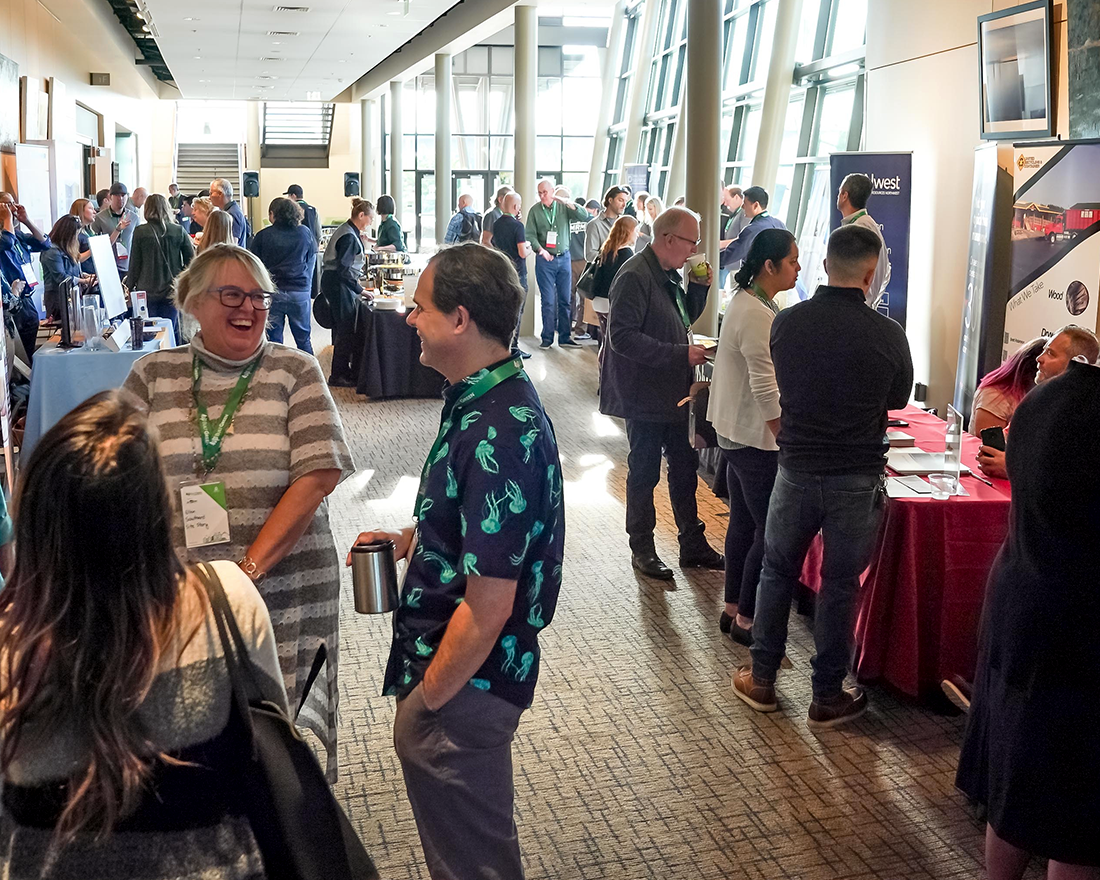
(249, 567)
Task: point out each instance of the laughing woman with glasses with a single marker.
(252, 446)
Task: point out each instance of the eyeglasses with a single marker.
(696, 242)
(232, 297)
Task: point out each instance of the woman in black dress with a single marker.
(1032, 752)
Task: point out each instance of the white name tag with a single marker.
(28, 273)
(205, 514)
(120, 250)
(552, 238)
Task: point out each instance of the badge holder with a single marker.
(205, 513)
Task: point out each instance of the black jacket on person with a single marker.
(606, 272)
(57, 265)
(289, 253)
(840, 366)
(157, 255)
(646, 371)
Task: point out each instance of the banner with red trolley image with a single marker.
(1055, 246)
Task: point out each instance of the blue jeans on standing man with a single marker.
(847, 509)
(293, 305)
(555, 279)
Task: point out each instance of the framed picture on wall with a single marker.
(1014, 72)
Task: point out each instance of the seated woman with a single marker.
(1002, 389)
(278, 454)
(113, 671)
(60, 262)
(390, 237)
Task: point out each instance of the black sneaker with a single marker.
(545, 345)
(569, 343)
(851, 703)
(523, 354)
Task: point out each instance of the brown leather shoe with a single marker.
(851, 703)
(758, 694)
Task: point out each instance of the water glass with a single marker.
(943, 485)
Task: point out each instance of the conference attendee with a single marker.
(174, 196)
(465, 224)
(84, 211)
(118, 220)
(653, 208)
(277, 451)
(60, 262)
(218, 230)
(599, 227)
(638, 204)
(137, 201)
(201, 209)
(1067, 343)
(17, 246)
(484, 580)
(340, 271)
(548, 233)
(839, 366)
(161, 251)
(734, 220)
(184, 215)
(577, 264)
(116, 696)
(221, 197)
(492, 214)
(617, 248)
(1002, 389)
(645, 222)
(647, 370)
(1030, 754)
(744, 409)
(312, 222)
(390, 237)
(755, 207)
(680, 201)
(101, 198)
(510, 237)
(288, 251)
(851, 201)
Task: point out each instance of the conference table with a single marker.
(921, 598)
(63, 378)
(388, 357)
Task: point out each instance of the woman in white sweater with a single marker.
(744, 409)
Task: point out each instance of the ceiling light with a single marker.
(290, 9)
(140, 15)
(197, 57)
(192, 18)
(282, 33)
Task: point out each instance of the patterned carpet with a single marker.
(636, 760)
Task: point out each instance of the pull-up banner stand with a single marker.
(891, 199)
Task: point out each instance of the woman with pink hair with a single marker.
(1001, 390)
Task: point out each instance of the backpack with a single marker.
(471, 227)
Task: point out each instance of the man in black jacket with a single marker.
(312, 222)
(840, 366)
(647, 371)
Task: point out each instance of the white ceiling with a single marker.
(214, 47)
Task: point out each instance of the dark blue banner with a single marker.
(891, 198)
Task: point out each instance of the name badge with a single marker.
(28, 274)
(205, 514)
(552, 238)
(120, 250)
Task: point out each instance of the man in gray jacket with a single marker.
(647, 371)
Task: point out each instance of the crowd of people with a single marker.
(114, 694)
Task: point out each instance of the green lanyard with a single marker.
(478, 389)
(212, 436)
(551, 217)
(854, 217)
(759, 294)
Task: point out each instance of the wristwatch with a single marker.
(249, 567)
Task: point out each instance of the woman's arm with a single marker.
(983, 419)
(291, 517)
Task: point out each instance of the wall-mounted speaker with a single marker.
(351, 183)
(250, 183)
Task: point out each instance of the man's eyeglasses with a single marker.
(232, 297)
(696, 242)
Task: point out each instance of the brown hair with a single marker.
(64, 235)
(361, 206)
(218, 230)
(617, 238)
(92, 605)
(285, 212)
(77, 209)
(157, 210)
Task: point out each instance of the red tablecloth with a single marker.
(922, 595)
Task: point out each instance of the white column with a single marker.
(701, 117)
(443, 69)
(397, 160)
(611, 70)
(526, 73)
(639, 85)
(368, 186)
(777, 94)
(677, 169)
(251, 162)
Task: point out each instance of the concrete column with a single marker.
(701, 109)
(777, 94)
(443, 68)
(611, 69)
(397, 159)
(368, 163)
(677, 169)
(639, 85)
(526, 81)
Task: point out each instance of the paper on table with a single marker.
(895, 488)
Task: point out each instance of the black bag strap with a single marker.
(318, 661)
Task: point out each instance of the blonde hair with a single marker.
(218, 230)
(654, 207)
(204, 270)
(203, 204)
(157, 210)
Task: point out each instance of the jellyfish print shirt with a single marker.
(491, 506)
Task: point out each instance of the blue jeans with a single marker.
(294, 306)
(555, 278)
(165, 308)
(847, 510)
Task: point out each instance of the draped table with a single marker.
(921, 599)
(389, 357)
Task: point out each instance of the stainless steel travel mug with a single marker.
(374, 577)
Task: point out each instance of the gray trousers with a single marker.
(458, 774)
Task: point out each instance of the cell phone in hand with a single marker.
(897, 423)
(994, 438)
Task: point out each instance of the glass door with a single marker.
(425, 210)
(476, 183)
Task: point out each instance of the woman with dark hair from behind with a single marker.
(1002, 389)
(615, 251)
(390, 236)
(60, 262)
(1031, 753)
(289, 252)
(114, 694)
(160, 250)
(744, 409)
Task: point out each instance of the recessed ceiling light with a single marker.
(191, 18)
(197, 57)
(276, 43)
(204, 80)
(290, 9)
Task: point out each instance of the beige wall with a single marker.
(68, 39)
(922, 96)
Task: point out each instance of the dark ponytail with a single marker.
(771, 244)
